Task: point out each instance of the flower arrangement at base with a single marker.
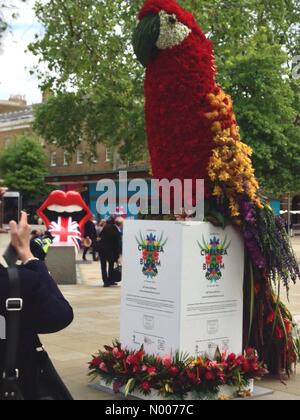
(174, 377)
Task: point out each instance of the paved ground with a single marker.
(97, 323)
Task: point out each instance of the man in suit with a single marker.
(109, 250)
(45, 310)
(90, 233)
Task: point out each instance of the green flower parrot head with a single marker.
(163, 25)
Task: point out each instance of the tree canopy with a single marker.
(23, 167)
(7, 7)
(97, 83)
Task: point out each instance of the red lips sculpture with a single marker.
(65, 215)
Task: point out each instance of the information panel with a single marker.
(182, 288)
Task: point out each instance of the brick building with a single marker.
(79, 172)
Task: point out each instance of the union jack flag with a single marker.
(67, 232)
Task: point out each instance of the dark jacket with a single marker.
(110, 242)
(45, 311)
(36, 247)
(90, 230)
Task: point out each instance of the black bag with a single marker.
(49, 384)
(117, 274)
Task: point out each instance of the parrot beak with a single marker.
(145, 38)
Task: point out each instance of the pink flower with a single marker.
(103, 367)
(167, 361)
(213, 364)
(118, 354)
(152, 371)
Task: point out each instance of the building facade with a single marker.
(80, 171)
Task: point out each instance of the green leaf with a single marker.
(129, 386)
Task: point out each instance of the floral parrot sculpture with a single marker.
(193, 133)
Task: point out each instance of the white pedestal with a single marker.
(182, 288)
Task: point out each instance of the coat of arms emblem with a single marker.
(151, 248)
(214, 253)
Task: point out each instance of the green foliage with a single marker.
(22, 167)
(87, 49)
(7, 7)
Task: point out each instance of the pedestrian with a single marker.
(100, 226)
(40, 244)
(44, 309)
(90, 239)
(36, 245)
(109, 250)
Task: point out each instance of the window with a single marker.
(109, 154)
(80, 157)
(53, 159)
(66, 158)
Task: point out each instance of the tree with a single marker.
(23, 167)
(7, 7)
(87, 49)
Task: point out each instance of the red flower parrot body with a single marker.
(179, 137)
(178, 83)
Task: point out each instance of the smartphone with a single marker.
(10, 256)
(11, 207)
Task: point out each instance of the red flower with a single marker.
(254, 367)
(209, 376)
(191, 375)
(219, 259)
(146, 386)
(279, 334)
(155, 255)
(288, 326)
(96, 362)
(208, 259)
(221, 376)
(231, 358)
(257, 289)
(173, 370)
(167, 361)
(132, 360)
(152, 371)
(145, 255)
(246, 366)
(271, 317)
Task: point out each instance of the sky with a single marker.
(14, 61)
